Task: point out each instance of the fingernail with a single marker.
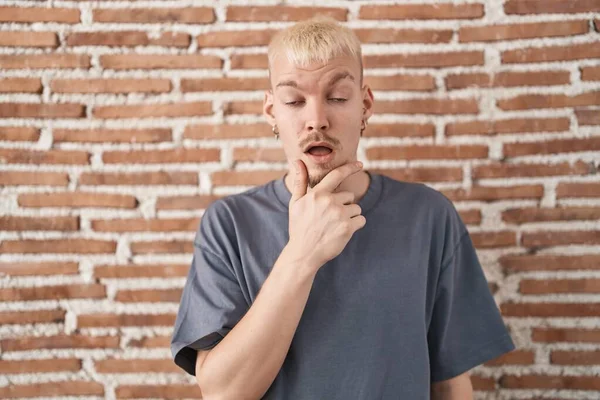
(359, 164)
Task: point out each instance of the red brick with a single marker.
(550, 310)
(163, 247)
(559, 238)
(423, 174)
(524, 215)
(139, 178)
(160, 61)
(53, 389)
(508, 126)
(490, 193)
(502, 170)
(425, 60)
(146, 225)
(575, 189)
(508, 79)
(394, 35)
(38, 268)
(243, 107)
(30, 317)
(179, 156)
(281, 13)
(400, 130)
(433, 152)
(590, 73)
(57, 292)
(551, 53)
(151, 135)
(235, 38)
(29, 39)
(428, 106)
(550, 382)
(43, 61)
(57, 246)
(40, 366)
(422, 11)
(115, 366)
(21, 85)
(77, 200)
(552, 286)
(172, 110)
(149, 296)
(56, 223)
(223, 84)
(68, 157)
(575, 357)
(249, 61)
(11, 178)
(257, 155)
(122, 320)
(39, 14)
(571, 335)
(556, 146)
(172, 39)
(401, 82)
(110, 85)
(151, 342)
(470, 217)
(486, 240)
(515, 357)
(533, 101)
(120, 38)
(141, 270)
(480, 383)
(185, 202)
(521, 31)
(588, 117)
(526, 263)
(227, 131)
(244, 178)
(40, 110)
(170, 391)
(19, 134)
(550, 6)
(187, 15)
(73, 341)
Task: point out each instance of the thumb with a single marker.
(300, 181)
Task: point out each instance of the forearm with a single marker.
(457, 388)
(245, 363)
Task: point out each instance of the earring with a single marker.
(363, 126)
(275, 131)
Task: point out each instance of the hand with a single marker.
(322, 222)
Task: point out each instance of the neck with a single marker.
(356, 183)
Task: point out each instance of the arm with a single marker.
(245, 363)
(457, 388)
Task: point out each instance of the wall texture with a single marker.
(121, 120)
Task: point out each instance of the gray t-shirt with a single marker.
(405, 303)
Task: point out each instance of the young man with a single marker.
(332, 282)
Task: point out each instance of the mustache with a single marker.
(319, 137)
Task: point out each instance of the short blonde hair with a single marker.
(316, 40)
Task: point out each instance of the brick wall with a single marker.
(121, 121)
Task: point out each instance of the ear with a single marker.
(368, 101)
(268, 107)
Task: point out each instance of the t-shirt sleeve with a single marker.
(211, 305)
(466, 327)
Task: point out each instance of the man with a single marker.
(332, 282)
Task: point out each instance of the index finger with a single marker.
(333, 179)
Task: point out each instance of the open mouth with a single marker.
(319, 149)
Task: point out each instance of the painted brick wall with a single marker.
(121, 121)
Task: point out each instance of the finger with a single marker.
(333, 179)
(300, 181)
(358, 222)
(343, 197)
(352, 210)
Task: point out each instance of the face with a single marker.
(318, 103)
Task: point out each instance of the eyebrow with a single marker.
(335, 79)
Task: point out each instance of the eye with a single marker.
(294, 103)
(338, 100)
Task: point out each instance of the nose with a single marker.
(316, 119)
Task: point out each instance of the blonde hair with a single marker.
(316, 40)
